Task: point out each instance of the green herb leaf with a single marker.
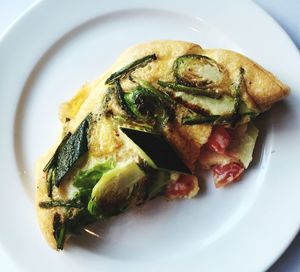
(52, 161)
(66, 155)
(50, 166)
(74, 148)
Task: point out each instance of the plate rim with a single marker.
(36, 5)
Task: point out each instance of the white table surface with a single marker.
(285, 12)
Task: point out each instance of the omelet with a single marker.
(143, 129)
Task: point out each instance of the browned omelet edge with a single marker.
(262, 86)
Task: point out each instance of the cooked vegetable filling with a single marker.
(136, 161)
(66, 155)
(198, 71)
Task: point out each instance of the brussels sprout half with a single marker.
(198, 71)
(112, 194)
(142, 103)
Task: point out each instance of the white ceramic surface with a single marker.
(43, 62)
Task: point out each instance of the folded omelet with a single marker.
(164, 110)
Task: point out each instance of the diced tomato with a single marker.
(225, 174)
(219, 139)
(182, 187)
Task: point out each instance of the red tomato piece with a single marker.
(219, 139)
(225, 174)
(182, 187)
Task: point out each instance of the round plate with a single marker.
(54, 48)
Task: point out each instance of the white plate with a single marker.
(55, 47)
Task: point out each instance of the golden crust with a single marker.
(262, 86)
(188, 150)
(44, 215)
(187, 141)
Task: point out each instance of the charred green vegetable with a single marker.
(189, 90)
(147, 107)
(125, 186)
(237, 96)
(163, 97)
(84, 181)
(68, 152)
(75, 213)
(112, 194)
(59, 230)
(143, 103)
(132, 183)
(198, 71)
(233, 109)
(73, 203)
(120, 97)
(125, 121)
(70, 222)
(130, 68)
(218, 119)
(200, 119)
